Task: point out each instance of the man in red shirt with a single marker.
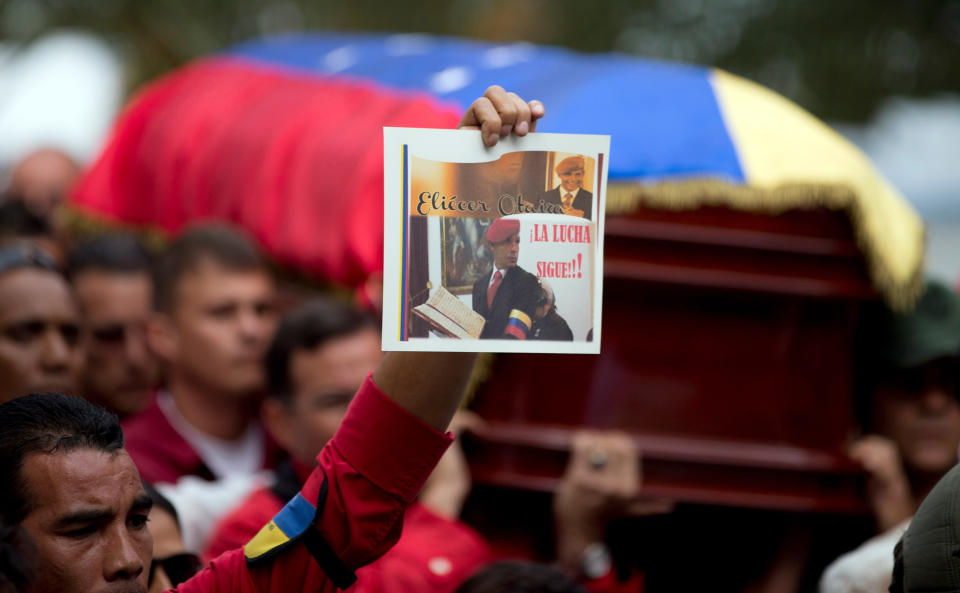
(77, 494)
(214, 302)
(322, 352)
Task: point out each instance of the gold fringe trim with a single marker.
(77, 224)
(900, 293)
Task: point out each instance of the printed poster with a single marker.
(493, 249)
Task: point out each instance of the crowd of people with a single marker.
(164, 423)
(221, 443)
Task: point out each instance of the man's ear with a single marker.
(162, 337)
(275, 416)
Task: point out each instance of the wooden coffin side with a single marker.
(727, 353)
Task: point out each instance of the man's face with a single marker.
(88, 522)
(571, 180)
(120, 372)
(505, 253)
(920, 412)
(222, 322)
(324, 381)
(39, 334)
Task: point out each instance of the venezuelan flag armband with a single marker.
(518, 325)
(295, 524)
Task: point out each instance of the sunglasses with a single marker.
(179, 567)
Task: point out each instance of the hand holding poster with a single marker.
(493, 249)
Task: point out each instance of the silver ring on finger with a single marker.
(598, 459)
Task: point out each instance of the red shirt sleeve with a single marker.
(374, 467)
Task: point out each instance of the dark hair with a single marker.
(25, 256)
(518, 576)
(162, 502)
(18, 220)
(115, 252)
(45, 423)
(307, 327)
(223, 245)
(17, 562)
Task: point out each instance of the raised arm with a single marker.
(429, 385)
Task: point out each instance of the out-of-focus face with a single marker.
(571, 180)
(220, 326)
(167, 545)
(88, 522)
(121, 372)
(324, 381)
(39, 334)
(505, 253)
(919, 410)
(44, 178)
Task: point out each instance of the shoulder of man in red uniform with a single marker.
(361, 513)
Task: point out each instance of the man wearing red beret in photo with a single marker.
(570, 195)
(507, 297)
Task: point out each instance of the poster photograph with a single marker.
(493, 249)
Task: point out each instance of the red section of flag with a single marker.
(295, 159)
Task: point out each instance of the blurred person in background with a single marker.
(172, 564)
(321, 354)
(39, 326)
(16, 559)
(42, 179)
(602, 483)
(908, 404)
(214, 318)
(21, 226)
(61, 90)
(111, 275)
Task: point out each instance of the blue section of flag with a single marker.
(295, 517)
(662, 117)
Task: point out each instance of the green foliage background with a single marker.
(838, 58)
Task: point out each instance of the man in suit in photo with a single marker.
(570, 195)
(507, 297)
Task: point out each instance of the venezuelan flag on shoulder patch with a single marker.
(289, 524)
(518, 325)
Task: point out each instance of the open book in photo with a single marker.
(450, 316)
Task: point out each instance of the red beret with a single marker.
(570, 164)
(501, 230)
